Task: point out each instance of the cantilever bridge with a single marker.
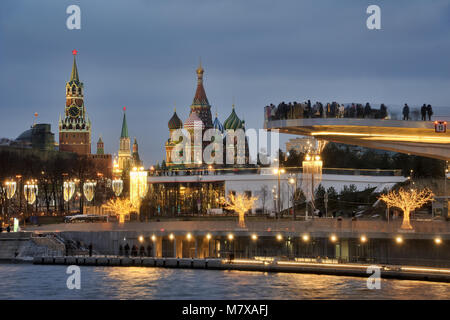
(411, 137)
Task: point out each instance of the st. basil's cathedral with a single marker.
(200, 118)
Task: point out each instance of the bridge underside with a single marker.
(411, 137)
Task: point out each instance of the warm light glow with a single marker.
(189, 236)
(10, 189)
(138, 186)
(399, 239)
(117, 186)
(171, 236)
(387, 137)
(363, 239)
(153, 238)
(438, 240)
(30, 191)
(141, 238)
(240, 203)
(305, 237)
(407, 201)
(208, 236)
(254, 237)
(279, 237)
(275, 171)
(68, 190)
(89, 190)
(333, 238)
(230, 237)
(121, 207)
(291, 180)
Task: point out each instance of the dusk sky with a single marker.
(143, 54)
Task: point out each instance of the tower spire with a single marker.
(74, 75)
(124, 133)
(200, 94)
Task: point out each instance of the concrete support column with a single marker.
(179, 247)
(158, 247)
(196, 247)
(174, 247)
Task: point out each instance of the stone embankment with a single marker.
(354, 270)
(23, 246)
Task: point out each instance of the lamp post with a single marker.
(19, 177)
(278, 171)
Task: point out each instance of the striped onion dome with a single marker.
(217, 124)
(193, 121)
(175, 122)
(233, 122)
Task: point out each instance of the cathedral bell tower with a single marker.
(75, 127)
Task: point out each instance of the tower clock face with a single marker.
(74, 111)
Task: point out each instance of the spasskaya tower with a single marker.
(75, 127)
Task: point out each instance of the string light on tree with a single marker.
(407, 201)
(240, 203)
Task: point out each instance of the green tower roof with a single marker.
(124, 133)
(233, 122)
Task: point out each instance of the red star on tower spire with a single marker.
(124, 108)
(74, 52)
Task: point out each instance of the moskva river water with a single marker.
(26, 281)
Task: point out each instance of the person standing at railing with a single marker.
(341, 111)
(367, 110)
(383, 111)
(406, 112)
(429, 112)
(423, 112)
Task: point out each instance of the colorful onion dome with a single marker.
(175, 122)
(217, 124)
(233, 122)
(193, 121)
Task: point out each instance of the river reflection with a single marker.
(25, 281)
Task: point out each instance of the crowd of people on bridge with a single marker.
(425, 111)
(296, 110)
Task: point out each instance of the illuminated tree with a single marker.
(121, 207)
(407, 201)
(240, 204)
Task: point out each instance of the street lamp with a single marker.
(117, 186)
(30, 191)
(89, 190)
(278, 172)
(11, 187)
